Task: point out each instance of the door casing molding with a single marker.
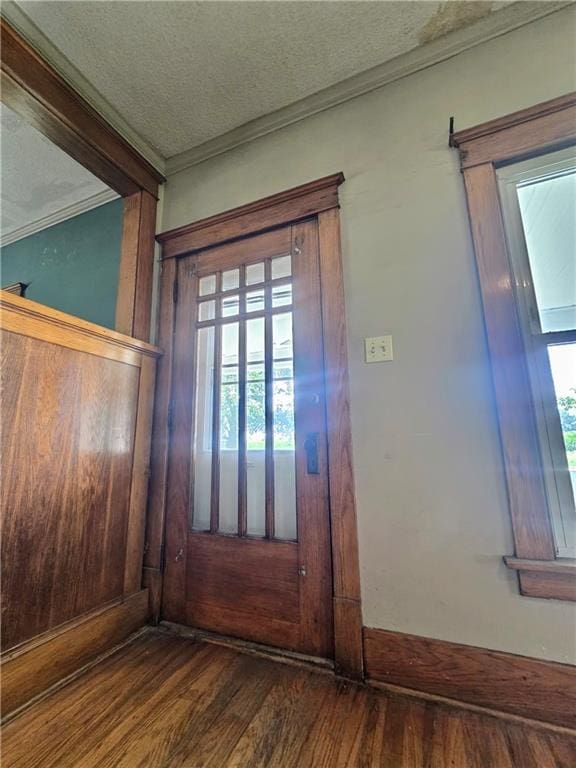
(315, 200)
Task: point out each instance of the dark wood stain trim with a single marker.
(556, 586)
(39, 93)
(134, 298)
(515, 118)
(527, 495)
(533, 131)
(284, 208)
(156, 512)
(345, 560)
(520, 685)
(32, 667)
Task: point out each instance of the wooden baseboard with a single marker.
(532, 688)
(33, 667)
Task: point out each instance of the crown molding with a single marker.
(496, 24)
(83, 206)
(18, 19)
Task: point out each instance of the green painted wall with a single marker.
(72, 266)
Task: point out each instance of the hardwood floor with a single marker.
(170, 702)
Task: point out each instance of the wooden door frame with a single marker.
(317, 200)
(39, 94)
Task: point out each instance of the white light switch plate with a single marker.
(379, 349)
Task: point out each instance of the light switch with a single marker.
(379, 349)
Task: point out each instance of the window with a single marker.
(539, 206)
(520, 178)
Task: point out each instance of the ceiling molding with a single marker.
(496, 24)
(18, 19)
(83, 206)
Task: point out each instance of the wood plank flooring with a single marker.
(170, 702)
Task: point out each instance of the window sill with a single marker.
(554, 579)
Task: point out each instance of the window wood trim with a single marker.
(40, 95)
(531, 132)
(317, 199)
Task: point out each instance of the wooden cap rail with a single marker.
(30, 318)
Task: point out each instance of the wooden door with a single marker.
(248, 539)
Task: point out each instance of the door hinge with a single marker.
(162, 558)
(175, 291)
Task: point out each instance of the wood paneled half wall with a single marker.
(76, 415)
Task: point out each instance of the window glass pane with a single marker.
(207, 285)
(548, 211)
(563, 366)
(255, 273)
(255, 301)
(229, 395)
(230, 279)
(281, 267)
(206, 310)
(284, 440)
(202, 445)
(255, 428)
(230, 305)
(281, 295)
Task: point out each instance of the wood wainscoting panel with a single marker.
(32, 668)
(67, 446)
(533, 688)
(76, 416)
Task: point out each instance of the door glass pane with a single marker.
(230, 279)
(255, 301)
(548, 211)
(281, 295)
(284, 439)
(206, 310)
(255, 428)
(255, 273)
(229, 395)
(281, 267)
(207, 285)
(202, 448)
(230, 305)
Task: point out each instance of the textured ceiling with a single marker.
(182, 73)
(38, 179)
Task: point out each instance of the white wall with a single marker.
(432, 508)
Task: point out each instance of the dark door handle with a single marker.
(311, 448)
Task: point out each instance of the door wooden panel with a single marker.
(248, 445)
(224, 570)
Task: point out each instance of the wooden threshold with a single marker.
(245, 646)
